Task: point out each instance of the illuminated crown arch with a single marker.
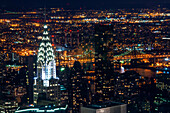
(46, 65)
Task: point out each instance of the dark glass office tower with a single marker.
(103, 67)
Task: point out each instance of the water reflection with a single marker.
(143, 72)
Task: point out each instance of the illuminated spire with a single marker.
(46, 64)
(46, 60)
(45, 52)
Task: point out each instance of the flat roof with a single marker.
(41, 109)
(103, 105)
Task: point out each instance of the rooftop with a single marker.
(103, 105)
(40, 109)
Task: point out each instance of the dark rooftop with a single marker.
(103, 105)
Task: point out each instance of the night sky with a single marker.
(84, 4)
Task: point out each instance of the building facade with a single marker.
(103, 67)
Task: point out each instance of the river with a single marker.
(143, 72)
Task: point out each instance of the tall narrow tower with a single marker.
(103, 67)
(46, 66)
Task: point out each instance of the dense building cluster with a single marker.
(78, 60)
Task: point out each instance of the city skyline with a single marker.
(85, 60)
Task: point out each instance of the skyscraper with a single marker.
(76, 85)
(31, 72)
(46, 66)
(103, 67)
(78, 89)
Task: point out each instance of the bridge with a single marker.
(88, 55)
(138, 55)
